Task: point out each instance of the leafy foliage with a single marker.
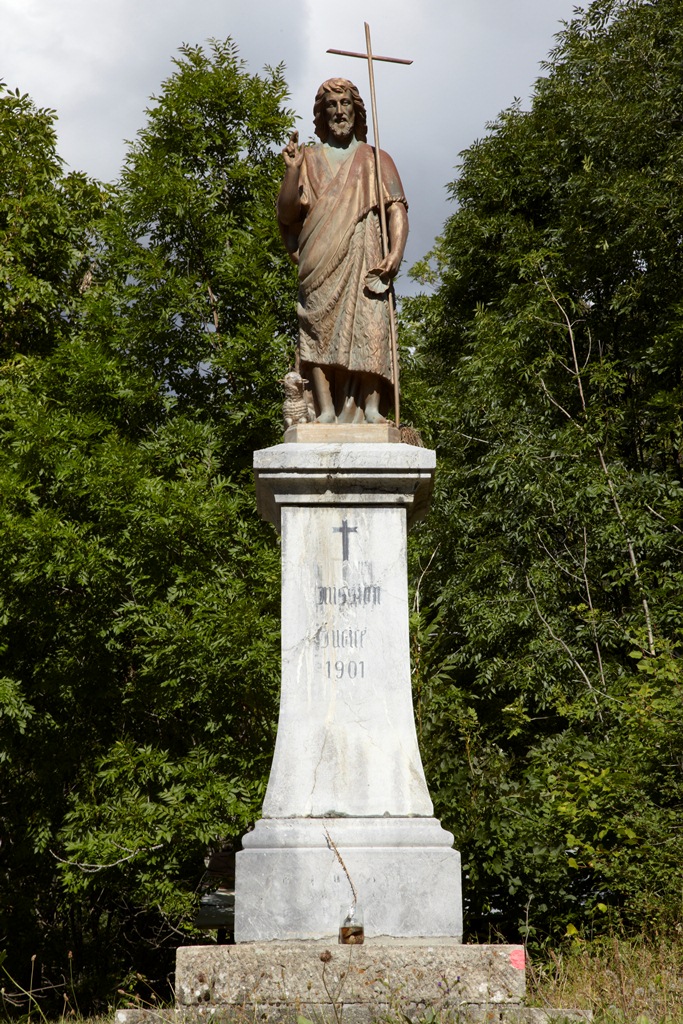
(204, 288)
(139, 598)
(46, 222)
(548, 368)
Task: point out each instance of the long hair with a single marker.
(338, 85)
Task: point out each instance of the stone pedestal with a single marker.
(276, 981)
(280, 982)
(346, 757)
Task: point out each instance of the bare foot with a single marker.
(373, 415)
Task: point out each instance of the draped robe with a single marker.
(337, 242)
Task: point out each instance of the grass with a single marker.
(621, 981)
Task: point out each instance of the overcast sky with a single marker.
(98, 62)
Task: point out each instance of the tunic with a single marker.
(341, 322)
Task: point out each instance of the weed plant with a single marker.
(621, 981)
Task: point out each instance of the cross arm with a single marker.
(364, 56)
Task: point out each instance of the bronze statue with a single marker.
(328, 213)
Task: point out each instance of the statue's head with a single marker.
(338, 86)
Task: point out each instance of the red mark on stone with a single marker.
(517, 959)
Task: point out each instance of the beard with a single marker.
(341, 130)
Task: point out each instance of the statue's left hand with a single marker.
(390, 264)
(397, 224)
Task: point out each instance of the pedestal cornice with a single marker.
(344, 474)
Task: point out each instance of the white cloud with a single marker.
(98, 63)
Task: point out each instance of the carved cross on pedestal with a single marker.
(345, 530)
(370, 57)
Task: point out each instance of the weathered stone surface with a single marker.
(351, 1013)
(346, 756)
(372, 975)
(346, 741)
(405, 871)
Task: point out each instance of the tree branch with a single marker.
(565, 647)
(615, 501)
(92, 869)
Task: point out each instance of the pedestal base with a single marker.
(375, 976)
(290, 885)
(277, 981)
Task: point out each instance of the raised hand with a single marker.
(293, 154)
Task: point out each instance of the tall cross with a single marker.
(345, 530)
(370, 57)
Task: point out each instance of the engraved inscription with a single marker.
(350, 669)
(359, 595)
(338, 635)
(340, 638)
(345, 530)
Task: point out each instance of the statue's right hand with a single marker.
(293, 153)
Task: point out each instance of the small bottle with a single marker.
(351, 931)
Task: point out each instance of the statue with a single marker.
(328, 213)
(295, 407)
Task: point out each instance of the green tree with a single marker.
(202, 287)
(46, 218)
(547, 368)
(140, 591)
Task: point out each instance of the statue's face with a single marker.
(340, 114)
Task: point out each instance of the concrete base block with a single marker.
(282, 979)
(290, 886)
(250, 1013)
(324, 982)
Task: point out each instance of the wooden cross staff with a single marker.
(370, 57)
